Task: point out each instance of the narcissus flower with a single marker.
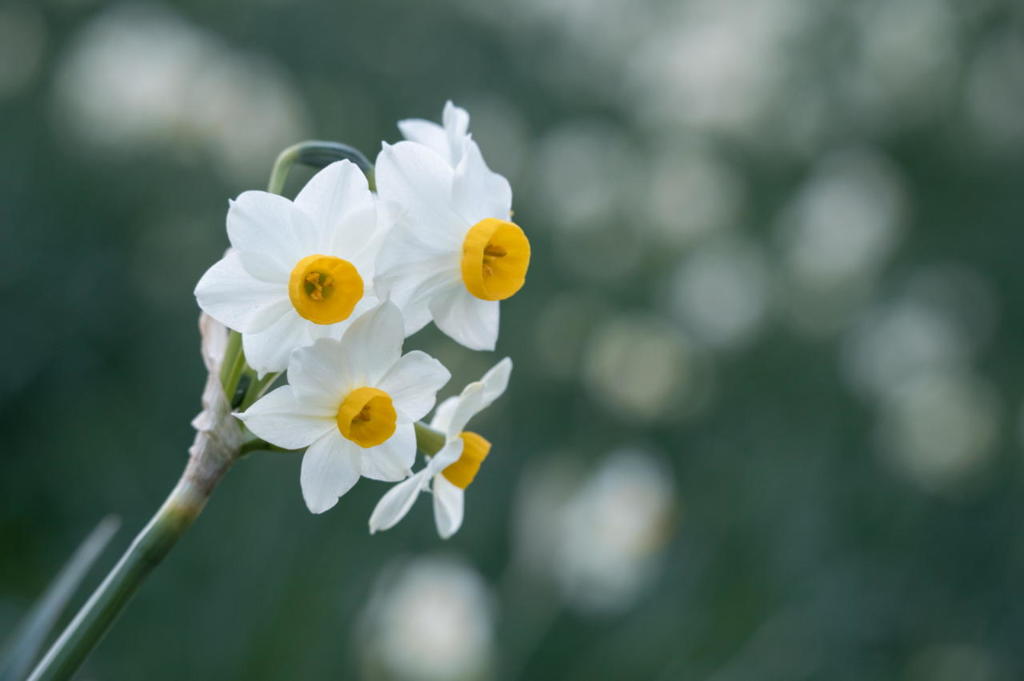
(453, 468)
(447, 140)
(454, 252)
(353, 403)
(297, 271)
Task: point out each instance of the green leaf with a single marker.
(22, 648)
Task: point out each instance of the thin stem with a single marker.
(316, 154)
(234, 365)
(181, 508)
(257, 386)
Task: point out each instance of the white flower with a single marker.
(297, 271)
(353, 403)
(453, 468)
(454, 253)
(428, 619)
(449, 141)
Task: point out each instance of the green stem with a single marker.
(209, 459)
(317, 154)
(257, 386)
(234, 365)
(181, 508)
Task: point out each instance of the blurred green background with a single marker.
(764, 421)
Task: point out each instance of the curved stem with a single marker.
(316, 154)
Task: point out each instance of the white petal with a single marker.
(443, 414)
(496, 381)
(454, 413)
(415, 302)
(374, 342)
(406, 248)
(448, 455)
(270, 233)
(394, 505)
(465, 318)
(420, 182)
(410, 275)
(336, 331)
(283, 420)
(393, 459)
(456, 127)
(320, 373)
(470, 403)
(413, 382)
(427, 133)
(448, 506)
(329, 469)
(339, 202)
(455, 119)
(235, 298)
(269, 349)
(477, 191)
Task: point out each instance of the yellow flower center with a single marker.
(367, 417)
(474, 450)
(495, 257)
(324, 289)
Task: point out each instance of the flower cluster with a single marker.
(328, 286)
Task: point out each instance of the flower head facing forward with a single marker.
(352, 403)
(454, 253)
(297, 271)
(447, 140)
(451, 470)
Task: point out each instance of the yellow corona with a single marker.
(495, 257)
(474, 450)
(324, 289)
(367, 417)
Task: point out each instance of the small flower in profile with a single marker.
(453, 468)
(447, 140)
(297, 271)
(353, 403)
(454, 253)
